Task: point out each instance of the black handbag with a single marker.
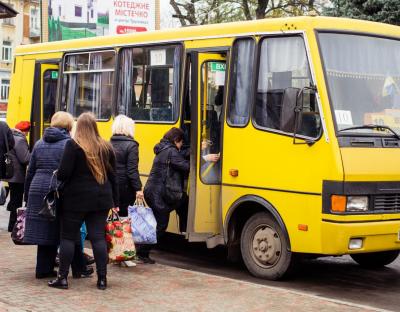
(8, 162)
(51, 201)
(172, 184)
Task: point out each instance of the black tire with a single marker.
(264, 248)
(373, 260)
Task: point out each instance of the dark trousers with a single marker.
(71, 222)
(162, 218)
(46, 259)
(16, 196)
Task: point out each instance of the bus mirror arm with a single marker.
(298, 112)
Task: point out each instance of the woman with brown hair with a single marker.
(90, 190)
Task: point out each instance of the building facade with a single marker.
(22, 29)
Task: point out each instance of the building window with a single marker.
(34, 18)
(6, 51)
(34, 28)
(91, 13)
(59, 10)
(4, 89)
(78, 11)
(8, 21)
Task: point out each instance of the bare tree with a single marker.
(216, 11)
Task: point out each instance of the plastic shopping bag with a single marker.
(119, 239)
(17, 234)
(143, 223)
(3, 194)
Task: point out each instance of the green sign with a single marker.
(54, 75)
(218, 67)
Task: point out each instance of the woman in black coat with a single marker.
(168, 148)
(20, 158)
(45, 159)
(127, 160)
(90, 190)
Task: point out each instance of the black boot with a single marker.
(61, 282)
(102, 282)
(86, 272)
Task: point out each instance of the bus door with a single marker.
(205, 211)
(44, 98)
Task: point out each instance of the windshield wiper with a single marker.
(373, 127)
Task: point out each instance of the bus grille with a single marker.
(387, 203)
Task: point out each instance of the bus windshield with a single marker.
(363, 77)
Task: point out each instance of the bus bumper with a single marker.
(375, 236)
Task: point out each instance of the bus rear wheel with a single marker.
(373, 260)
(264, 248)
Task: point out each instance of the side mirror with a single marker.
(307, 119)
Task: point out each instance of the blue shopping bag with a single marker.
(143, 223)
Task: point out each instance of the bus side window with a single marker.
(283, 66)
(88, 83)
(148, 88)
(241, 82)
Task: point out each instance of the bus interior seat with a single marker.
(161, 108)
(161, 113)
(269, 103)
(159, 86)
(287, 116)
(139, 113)
(268, 108)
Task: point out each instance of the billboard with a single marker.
(89, 18)
(132, 16)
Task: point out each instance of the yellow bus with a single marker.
(302, 113)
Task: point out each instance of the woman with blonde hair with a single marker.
(45, 159)
(127, 160)
(90, 190)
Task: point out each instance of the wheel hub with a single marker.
(267, 246)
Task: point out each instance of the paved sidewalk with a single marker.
(143, 288)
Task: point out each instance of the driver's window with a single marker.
(284, 68)
(213, 82)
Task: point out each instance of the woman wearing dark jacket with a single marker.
(90, 191)
(45, 159)
(20, 157)
(127, 160)
(168, 148)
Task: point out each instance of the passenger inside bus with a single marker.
(210, 145)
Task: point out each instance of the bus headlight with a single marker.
(357, 203)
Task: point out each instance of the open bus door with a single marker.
(207, 86)
(44, 97)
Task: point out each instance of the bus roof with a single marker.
(215, 31)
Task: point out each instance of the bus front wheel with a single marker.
(373, 260)
(264, 247)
